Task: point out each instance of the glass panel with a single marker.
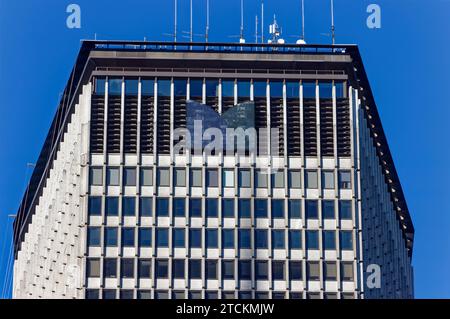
(100, 86)
(292, 90)
(309, 90)
(195, 207)
(228, 208)
(311, 179)
(295, 179)
(326, 90)
(148, 87)
(196, 87)
(345, 210)
(146, 207)
(196, 177)
(112, 176)
(276, 89)
(259, 89)
(295, 208)
(328, 209)
(96, 176)
(243, 88)
(277, 208)
(115, 87)
(129, 206)
(244, 208)
(180, 87)
(228, 178)
(311, 209)
(244, 178)
(131, 87)
(260, 208)
(147, 176)
(129, 176)
(212, 88)
(328, 179)
(228, 88)
(164, 87)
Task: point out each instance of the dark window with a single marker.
(128, 237)
(278, 272)
(94, 236)
(345, 180)
(278, 240)
(345, 210)
(110, 268)
(211, 269)
(179, 207)
(261, 238)
(144, 268)
(100, 86)
(112, 206)
(111, 238)
(211, 295)
(260, 208)
(145, 237)
(146, 207)
(195, 207)
(330, 271)
(162, 237)
(95, 206)
(295, 239)
(245, 270)
(346, 240)
(109, 294)
(292, 89)
(259, 89)
(295, 208)
(161, 268)
(211, 207)
(164, 87)
(211, 238)
(228, 208)
(126, 294)
(228, 238)
(312, 239)
(326, 90)
(144, 294)
(115, 86)
(243, 88)
(212, 178)
(129, 206)
(93, 267)
(180, 87)
(276, 89)
(228, 88)
(328, 209)
(228, 269)
(195, 238)
(129, 176)
(212, 87)
(195, 269)
(261, 270)
(196, 87)
(178, 238)
(277, 208)
(178, 268)
(313, 270)
(309, 90)
(244, 208)
(127, 268)
(329, 240)
(311, 207)
(159, 295)
(148, 87)
(295, 270)
(162, 207)
(244, 239)
(92, 294)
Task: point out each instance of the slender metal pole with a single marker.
(175, 20)
(207, 21)
(191, 35)
(333, 35)
(303, 19)
(256, 29)
(242, 19)
(262, 21)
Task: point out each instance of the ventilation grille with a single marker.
(227, 103)
(147, 114)
(310, 127)
(326, 128)
(130, 129)
(261, 123)
(114, 110)
(163, 136)
(213, 102)
(293, 127)
(276, 123)
(343, 128)
(97, 123)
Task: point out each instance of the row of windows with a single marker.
(229, 269)
(212, 178)
(211, 88)
(279, 238)
(209, 294)
(211, 207)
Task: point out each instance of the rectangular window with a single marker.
(196, 177)
(329, 240)
(129, 176)
(93, 267)
(260, 208)
(162, 237)
(309, 90)
(212, 178)
(195, 238)
(94, 236)
(312, 239)
(278, 240)
(312, 211)
(211, 207)
(144, 268)
(228, 88)
(295, 270)
(228, 269)
(95, 206)
(163, 177)
(311, 179)
(328, 209)
(92, 294)
(261, 241)
(244, 239)
(278, 179)
(345, 210)
(259, 89)
(180, 87)
(295, 208)
(276, 89)
(347, 271)
(127, 268)
(261, 178)
(180, 177)
(278, 272)
(100, 86)
(313, 270)
(345, 180)
(96, 176)
(112, 176)
(245, 269)
(228, 178)
(179, 209)
(328, 179)
(145, 237)
(244, 178)
(330, 270)
(295, 179)
(111, 237)
(277, 208)
(128, 237)
(228, 208)
(211, 269)
(161, 268)
(195, 269)
(164, 87)
(128, 206)
(178, 269)
(112, 206)
(115, 86)
(212, 87)
(178, 238)
(211, 238)
(243, 87)
(326, 90)
(147, 176)
(148, 87)
(228, 238)
(244, 208)
(162, 207)
(196, 87)
(295, 239)
(195, 207)
(346, 240)
(161, 295)
(146, 207)
(144, 294)
(261, 270)
(110, 268)
(292, 89)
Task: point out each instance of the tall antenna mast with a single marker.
(207, 21)
(191, 32)
(262, 21)
(242, 40)
(333, 35)
(303, 19)
(256, 28)
(175, 20)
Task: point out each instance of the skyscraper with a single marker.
(309, 207)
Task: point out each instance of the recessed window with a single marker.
(228, 88)
(295, 270)
(195, 207)
(311, 179)
(278, 239)
(278, 179)
(276, 89)
(261, 295)
(328, 179)
(94, 236)
(313, 270)
(128, 237)
(195, 238)
(148, 87)
(100, 86)
(261, 241)
(147, 176)
(129, 176)
(346, 240)
(93, 267)
(179, 209)
(144, 294)
(161, 268)
(244, 178)
(111, 237)
(278, 270)
(211, 238)
(245, 239)
(96, 176)
(347, 271)
(92, 294)
(277, 208)
(228, 208)
(261, 270)
(195, 269)
(196, 177)
(345, 210)
(329, 240)
(163, 177)
(180, 177)
(292, 89)
(295, 179)
(260, 208)
(110, 268)
(326, 90)
(244, 208)
(161, 295)
(144, 268)
(330, 271)
(115, 86)
(127, 268)
(95, 206)
(146, 207)
(295, 208)
(180, 87)
(211, 269)
(112, 176)
(312, 239)
(295, 239)
(162, 238)
(129, 206)
(245, 269)
(345, 180)
(212, 178)
(228, 238)
(309, 90)
(261, 178)
(162, 207)
(311, 209)
(328, 209)
(178, 268)
(178, 238)
(164, 87)
(228, 178)
(259, 89)
(145, 237)
(228, 269)
(112, 206)
(211, 207)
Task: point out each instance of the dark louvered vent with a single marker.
(276, 123)
(343, 128)
(213, 102)
(163, 125)
(227, 103)
(147, 114)
(97, 123)
(293, 127)
(261, 123)
(326, 127)
(114, 110)
(310, 127)
(130, 125)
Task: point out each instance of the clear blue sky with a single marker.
(407, 61)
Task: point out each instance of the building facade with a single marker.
(114, 210)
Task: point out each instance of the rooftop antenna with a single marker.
(207, 21)
(241, 39)
(256, 29)
(333, 35)
(175, 18)
(275, 31)
(191, 30)
(262, 21)
(302, 37)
